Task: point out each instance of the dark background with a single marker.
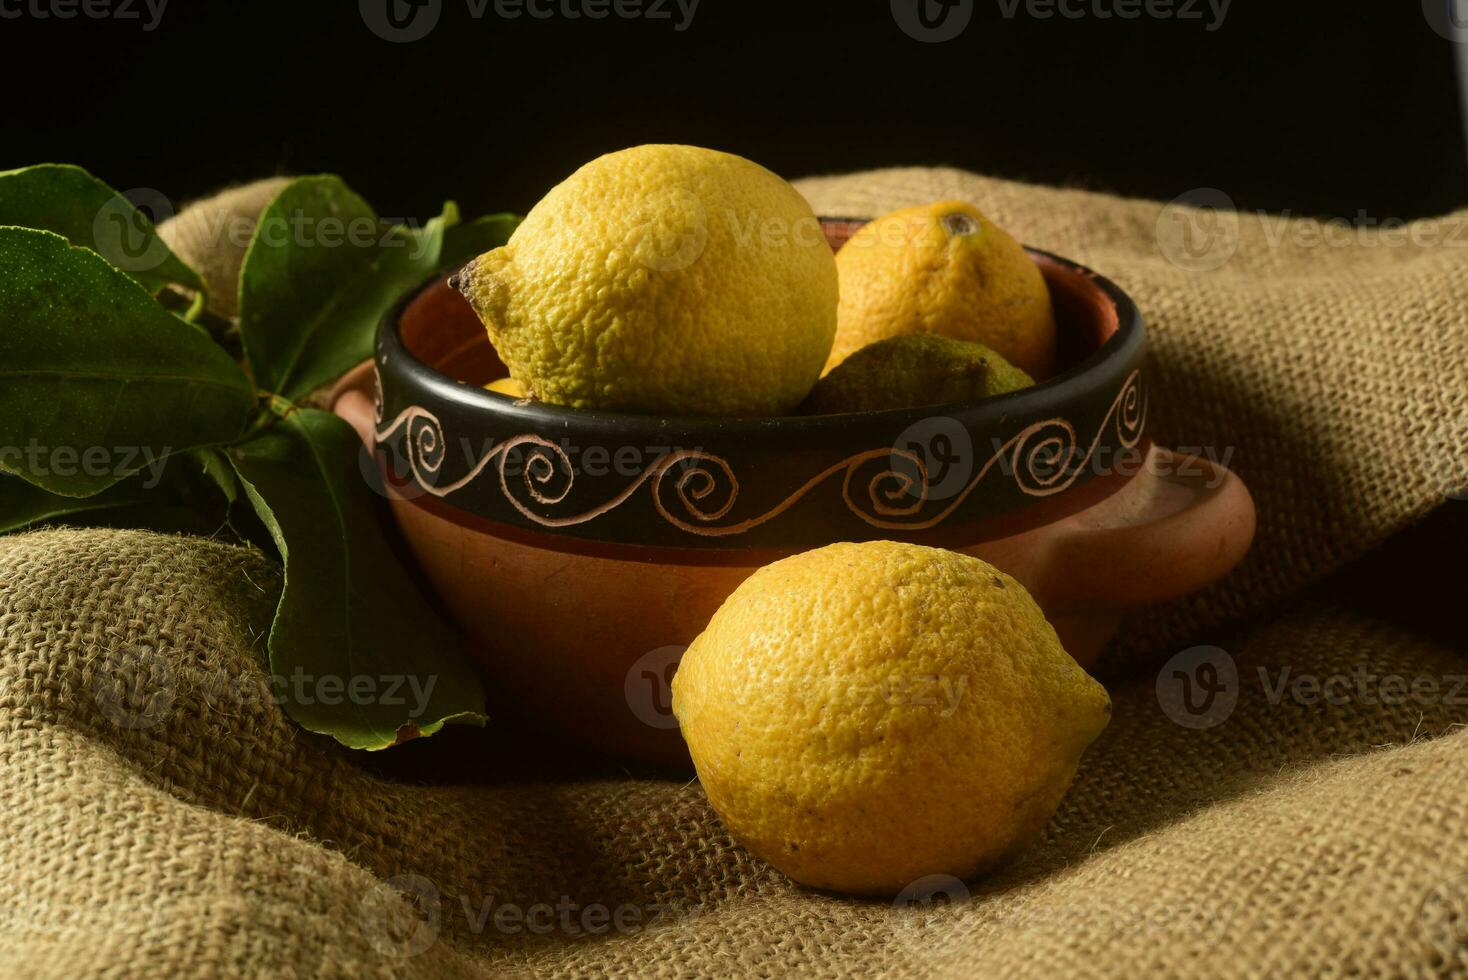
(1325, 109)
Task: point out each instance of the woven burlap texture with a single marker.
(196, 832)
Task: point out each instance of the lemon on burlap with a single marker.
(864, 715)
(662, 279)
(944, 269)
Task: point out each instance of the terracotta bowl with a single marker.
(581, 551)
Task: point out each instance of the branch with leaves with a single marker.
(123, 401)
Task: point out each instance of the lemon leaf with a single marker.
(23, 504)
(356, 650)
(320, 271)
(97, 381)
(67, 200)
(174, 494)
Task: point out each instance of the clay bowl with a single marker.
(581, 551)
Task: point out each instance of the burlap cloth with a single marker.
(197, 832)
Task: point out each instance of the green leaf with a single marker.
(97, 381)
(217, 468)
(319, 274)
(22, 504)
(350, 616)
(171, 495)
(86, 212)
(463, 241)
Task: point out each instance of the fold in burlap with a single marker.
(165, 818)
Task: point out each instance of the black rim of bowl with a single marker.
(780, 483)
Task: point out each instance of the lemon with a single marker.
(662, 279)
(944, 269)
(506, 386)
(864, 715)
(911, 371)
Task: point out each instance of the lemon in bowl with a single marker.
(944, 269)
(662, 279)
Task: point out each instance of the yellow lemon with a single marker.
(506, 386)
(864, 715)
(666, 280)
(944, 269)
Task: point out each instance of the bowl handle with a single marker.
(1179, 524)
(352, 398)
